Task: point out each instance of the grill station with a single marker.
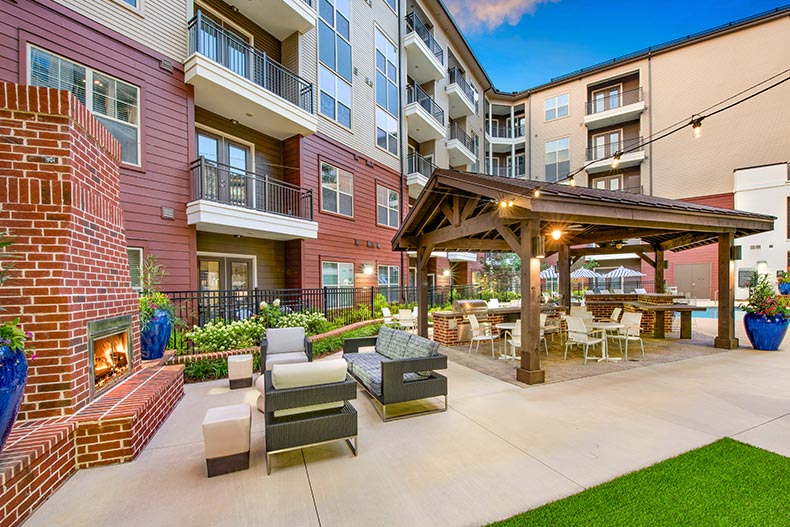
(464, 308)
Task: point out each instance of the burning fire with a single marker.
(110, 358)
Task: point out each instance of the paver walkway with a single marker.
(497, 451)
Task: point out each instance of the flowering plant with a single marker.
(763, 300)
(783, 277)
(13, 336)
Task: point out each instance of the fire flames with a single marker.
(110, 359)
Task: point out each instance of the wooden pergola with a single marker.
(460, 211)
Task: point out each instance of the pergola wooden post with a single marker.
(564, 270)
(660, 266)
(423, 255)
(726, 337)
(530, 371)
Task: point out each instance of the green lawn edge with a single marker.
(725, 483)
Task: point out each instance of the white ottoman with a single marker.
(226, 435)
(240, 371)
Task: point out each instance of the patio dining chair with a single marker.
(579, 334)
(514, 342)
(480, 334)
(385, 312)
(630, 332)
(550, 326)
(615, 316)
(406, 319)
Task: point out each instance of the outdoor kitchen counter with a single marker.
(602, 306)
(452, 329)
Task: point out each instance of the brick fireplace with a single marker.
(89, 399)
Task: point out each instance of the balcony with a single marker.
(229, 200)
(612, 109)
(501, 171)
(460, 147)
(424, 56)
(281, 18)
(241, 83)
(461, 95)
(501, 138)
(418, 171)
(631, 151)
(425, 117)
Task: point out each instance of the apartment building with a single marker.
(592, 116)
(278, 143)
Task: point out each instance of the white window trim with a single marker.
(338, 263)
(225, 135)
(556, 107)
(216, 15)
(136, 288)
(138, 10)
(545, 143)
(619, 86)
(378, 186)
(389, 270)
(319, 63)
(89, 71)
(321, 187)
(386, 2)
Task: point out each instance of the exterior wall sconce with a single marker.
(446, 272)
(538, 247)
(736, 252)
(367, 268)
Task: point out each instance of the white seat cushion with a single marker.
(284, 340)
(240, 366)
(309, 374)
(285, 358)
(226, 430)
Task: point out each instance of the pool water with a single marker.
(713, 312)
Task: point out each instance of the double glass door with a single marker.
(224, 45)
(226, 282)
(225, 175)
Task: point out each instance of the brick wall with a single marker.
(60, 195)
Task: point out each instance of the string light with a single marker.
(536, 193)
(571, 181)
(556, 234)
(616, 160)
(696, 126)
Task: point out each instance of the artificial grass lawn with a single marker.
(724, 483)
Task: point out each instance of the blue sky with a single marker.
(523, 43)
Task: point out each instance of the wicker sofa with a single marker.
(400, 369)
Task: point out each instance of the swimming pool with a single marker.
(713, 312)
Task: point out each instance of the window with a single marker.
(114, 103)
(520, 169)
(337, 190)
(606, 145)
(386, 94)
(558, 164)
(135, 4)
(334, 52)
(606, 99)
(476, 146)
(609, 183)
(388, 207)
(557, 107)
(393, 4)
(135, 255)
(389, 279)
(338, 276)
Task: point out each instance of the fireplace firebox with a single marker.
(109, 352)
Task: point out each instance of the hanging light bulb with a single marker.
(502, 204)
(616, 160)
(572, 181)
(556, 234)
(510, 203)
(696, 126)
(536, 193)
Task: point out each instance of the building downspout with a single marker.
(528, 161)
(481, 169)
(650, 117)
(403, 189)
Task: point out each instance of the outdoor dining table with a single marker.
(603, 326)
(507, 329)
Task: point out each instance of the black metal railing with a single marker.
(506, 132)
(458, 78)
(419, 165)
(456, 132)
(225, 184)
(608, 149)
(416, 94)
(610, 101)
(226, 49)
(505, 171)
(413, 23)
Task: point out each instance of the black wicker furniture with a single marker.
(307, 405)
(401, 369)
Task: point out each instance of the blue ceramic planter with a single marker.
(154, 337)
(13, 376)
(784, 288)
(765, 333)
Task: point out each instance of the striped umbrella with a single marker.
(583, 272)
(623, 272)
(551, 272)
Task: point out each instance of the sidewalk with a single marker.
(497, 451)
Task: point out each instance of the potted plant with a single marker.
(157, 313)
(767, 315)
(783, 278)
(13, 361)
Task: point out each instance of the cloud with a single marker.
(486, 15)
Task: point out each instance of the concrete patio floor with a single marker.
(497, 451)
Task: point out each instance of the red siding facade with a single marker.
(162, 180)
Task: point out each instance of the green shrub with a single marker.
(210, 369)
(335, 343)
(219, 335)
(313, 322)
